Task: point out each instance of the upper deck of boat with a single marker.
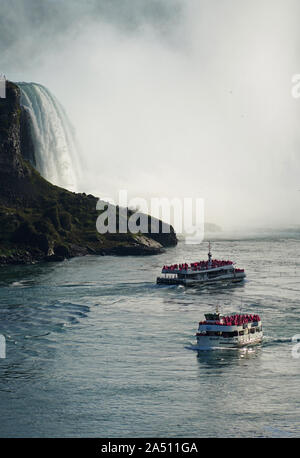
(200, 266)
(230, 320)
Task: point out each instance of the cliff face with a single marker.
(40, 221)
(10, 150)
(27, 145)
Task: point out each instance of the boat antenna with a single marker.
(209, 254)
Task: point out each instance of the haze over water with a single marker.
(172, 98)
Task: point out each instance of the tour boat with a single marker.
(232, 331)
(201, 273)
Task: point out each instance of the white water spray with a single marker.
(56, 151)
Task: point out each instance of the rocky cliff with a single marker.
(40, 221)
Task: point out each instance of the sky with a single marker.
(172, 99)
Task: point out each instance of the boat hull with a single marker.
(211, 343)
(200, 282)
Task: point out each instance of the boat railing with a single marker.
(234, 320)
(196, 267)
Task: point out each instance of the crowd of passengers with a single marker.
(198, 265)
(235, 320)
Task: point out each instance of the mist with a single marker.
(172, 98)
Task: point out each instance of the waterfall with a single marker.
(56, 152)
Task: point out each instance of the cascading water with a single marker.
(56, 152)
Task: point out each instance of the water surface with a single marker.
(96, 348)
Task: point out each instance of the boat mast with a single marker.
(209, 255)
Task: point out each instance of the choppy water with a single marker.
(95, 348)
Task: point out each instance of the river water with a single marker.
(95, 348)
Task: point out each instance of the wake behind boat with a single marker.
(201, 273)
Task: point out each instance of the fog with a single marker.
(172, 98)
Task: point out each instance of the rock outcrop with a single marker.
(43, 222)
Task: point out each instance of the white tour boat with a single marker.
(237, 330)
(201, 273)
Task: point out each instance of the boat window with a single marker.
(212, 316)
(229, 334)
(241, 333)
(252, 330)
